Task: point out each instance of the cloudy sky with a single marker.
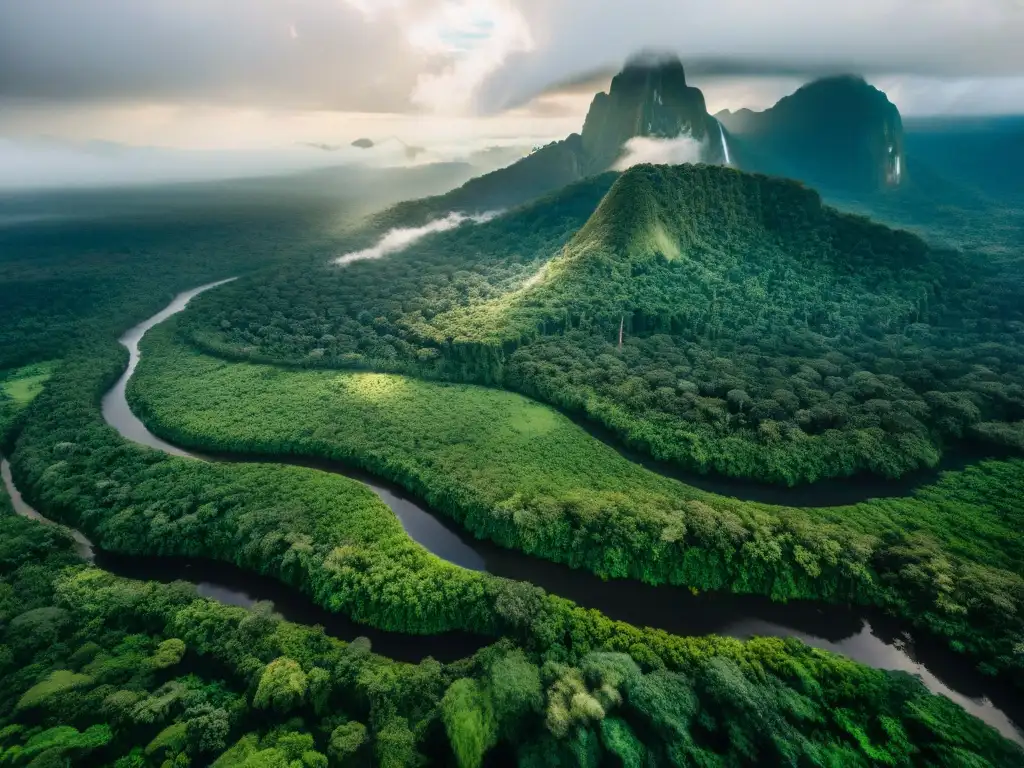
(260, 74)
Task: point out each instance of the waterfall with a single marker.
(894, 170)
(725, 144)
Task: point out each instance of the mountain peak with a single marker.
(649, 97)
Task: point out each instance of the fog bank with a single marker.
(48, 164)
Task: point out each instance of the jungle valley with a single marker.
(572, 463)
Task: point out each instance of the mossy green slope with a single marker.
(703, 250)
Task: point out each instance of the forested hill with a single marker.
(696, 250)
(764, 334)
(550, 168)
(472, 263)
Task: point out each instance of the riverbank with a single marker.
(232, 586)
(525, 477)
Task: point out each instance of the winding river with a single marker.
(832, 492)
(871, 639)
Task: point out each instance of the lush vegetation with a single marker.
(18, 387)
(104, 671)
(68, 282)
(526, 477)
(134, 674)
(98, 670)
(765, 335)
(94, 263)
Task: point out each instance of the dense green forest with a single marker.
(103, 671)
(64, 283)
(514, 471)
(765, 335)
(107, 671)
(99, 670)
(18, 387)
(90, 264)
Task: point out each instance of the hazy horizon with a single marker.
(254, 85)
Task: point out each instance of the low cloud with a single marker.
(646, 149)
(400, 238)
(51, 164)
(42, 164)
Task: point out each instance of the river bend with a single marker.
(873, 640)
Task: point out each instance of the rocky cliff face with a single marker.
(649, 97)
(837, 132)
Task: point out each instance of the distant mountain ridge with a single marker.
(837, 132)
(984, 154)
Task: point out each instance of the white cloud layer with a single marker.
(400, 238)
(486, 56)
(647, 149)
(43, 165)
(54, 164)
(480, 35)
(945, 39)
(960, 96)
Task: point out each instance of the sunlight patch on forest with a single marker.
(22, 385)
(664, 243)
(534, 420)
(536, 277)
(376, 388)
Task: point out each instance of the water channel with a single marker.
(833, 492)
(871, 639)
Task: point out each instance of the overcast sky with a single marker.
(270, 73)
